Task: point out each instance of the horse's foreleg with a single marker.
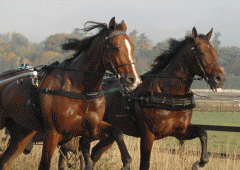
(102, 146)
(85, 147)
(49, 145)
(146, 148)
(126, 158)
(63, 153)
(29, 147)
(117, 135)
(19, 140)
(192, 132)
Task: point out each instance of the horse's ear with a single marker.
(124, 25)
(208, 35)
(195, 35)
(112, 23)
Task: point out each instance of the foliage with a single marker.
(49, 57)
(216, 42)
(15, 48)
(143, 54)
(53, 42)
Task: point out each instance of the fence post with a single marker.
(233, 106)
(220, 105)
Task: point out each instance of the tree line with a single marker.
(15, 49)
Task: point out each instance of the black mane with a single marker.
(163, 60)
(174, 46)
(81, 45)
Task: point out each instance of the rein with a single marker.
(168, 101)
(202, 67)
(115, 68)
(83, 96)
(116, 73)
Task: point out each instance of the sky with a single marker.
(158, 19)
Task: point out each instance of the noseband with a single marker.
(115, 68)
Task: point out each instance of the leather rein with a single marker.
(83, 96)
(169, 101)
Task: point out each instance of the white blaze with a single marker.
(138, 81)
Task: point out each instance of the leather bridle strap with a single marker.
(111, 59)
(124, 65)
(115, 33)
(200, 65)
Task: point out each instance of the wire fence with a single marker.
(224, 101)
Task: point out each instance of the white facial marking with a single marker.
(138, 81)
(70, 111)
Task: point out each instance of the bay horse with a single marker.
(163, 104)
(69, 97)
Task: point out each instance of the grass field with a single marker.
(218, 142)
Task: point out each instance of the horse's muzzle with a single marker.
(130, 83)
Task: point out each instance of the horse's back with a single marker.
(15, 102)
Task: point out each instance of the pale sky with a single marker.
(158, 19)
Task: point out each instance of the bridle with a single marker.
(203, 68)
(82, 96)
(199, 63)
(114, 67)
(116, 72)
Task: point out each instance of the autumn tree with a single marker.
(143, 51)
(12, 61)
(161, 47)
(36, 51)
(54, 42)
(4, 48)
(18, 39)
(76, 33)
(6, 37)
(49, 57)
(215, 41)
(133, 37)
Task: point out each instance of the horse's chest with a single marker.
(165, 123)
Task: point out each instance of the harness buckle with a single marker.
(48, 90)
(173, 102)
(163, 100)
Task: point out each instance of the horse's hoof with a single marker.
(89, 169)
(26, 152)
(196, 166)
(125, 169)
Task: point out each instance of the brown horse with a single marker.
(69, 97)
(163, 104)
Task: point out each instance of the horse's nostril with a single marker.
(217, 79)
(131, 80)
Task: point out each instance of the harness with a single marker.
(170, 102)
(82, 96)
(35, 87)
(157, 100)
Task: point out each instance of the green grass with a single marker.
(224, 142)
(221, 141)
(216, 118)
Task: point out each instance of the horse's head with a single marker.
(206, 58)
(121, 62)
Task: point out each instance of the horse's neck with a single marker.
(179, 67)
(89, 80)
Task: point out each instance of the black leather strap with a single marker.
(81, 96)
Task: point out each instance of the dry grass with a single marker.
(160, 160)
(220, 142)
